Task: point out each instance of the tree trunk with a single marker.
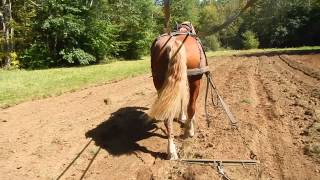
(8, 32)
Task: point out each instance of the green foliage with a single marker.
(57, 33)
(22, 13)
(250, 40)
(15, 63)
(60, 27)
(184, 10)
(136, 25)
(76, 33)
(77, 56)
(209, 17)
(288, 23)
(101, 35)
(211, 43)
(284, 23)
(36, 57)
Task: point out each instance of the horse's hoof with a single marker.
(189, 128)
(188, 134)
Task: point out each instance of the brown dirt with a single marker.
(277, 106)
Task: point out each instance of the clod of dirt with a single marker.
(209, 145)
(200, 136)
(198, 155)
(107, 101)
(308, 112)
(189, 174)
(300, 102)
(315, 93)
(278, 112)
(304, 133)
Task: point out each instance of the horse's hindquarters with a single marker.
(171, 81)
(170, 60)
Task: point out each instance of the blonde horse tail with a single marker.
(175, 90)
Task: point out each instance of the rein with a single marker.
(184, 40)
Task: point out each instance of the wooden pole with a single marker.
(166, 10)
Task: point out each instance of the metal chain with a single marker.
(220, 169)
(234, 125)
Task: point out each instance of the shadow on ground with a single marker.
(120, 133)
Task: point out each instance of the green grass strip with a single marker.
(21, 85)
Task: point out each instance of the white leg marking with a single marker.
(189, 131)
(182, 117)
(172, 152)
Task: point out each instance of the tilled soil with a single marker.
(101, 133)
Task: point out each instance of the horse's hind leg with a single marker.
(172, 152)
(182, 115)
(194, 85)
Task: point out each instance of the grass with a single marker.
(17, 86)
(246, 101)
(20, 85)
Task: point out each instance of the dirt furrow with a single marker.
(309, 71)
(290, 157)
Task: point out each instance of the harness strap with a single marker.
(197, 71)
(184, 40)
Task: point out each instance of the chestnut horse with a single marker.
(172, 56)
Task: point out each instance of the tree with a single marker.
(283, 23)
(250, 40)
(234, 15)
(136, 24)
(7, 30)
(184, 10)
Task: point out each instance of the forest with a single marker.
(40, 34)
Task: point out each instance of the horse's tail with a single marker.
(175, 90)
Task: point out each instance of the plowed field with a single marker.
(275, 98)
